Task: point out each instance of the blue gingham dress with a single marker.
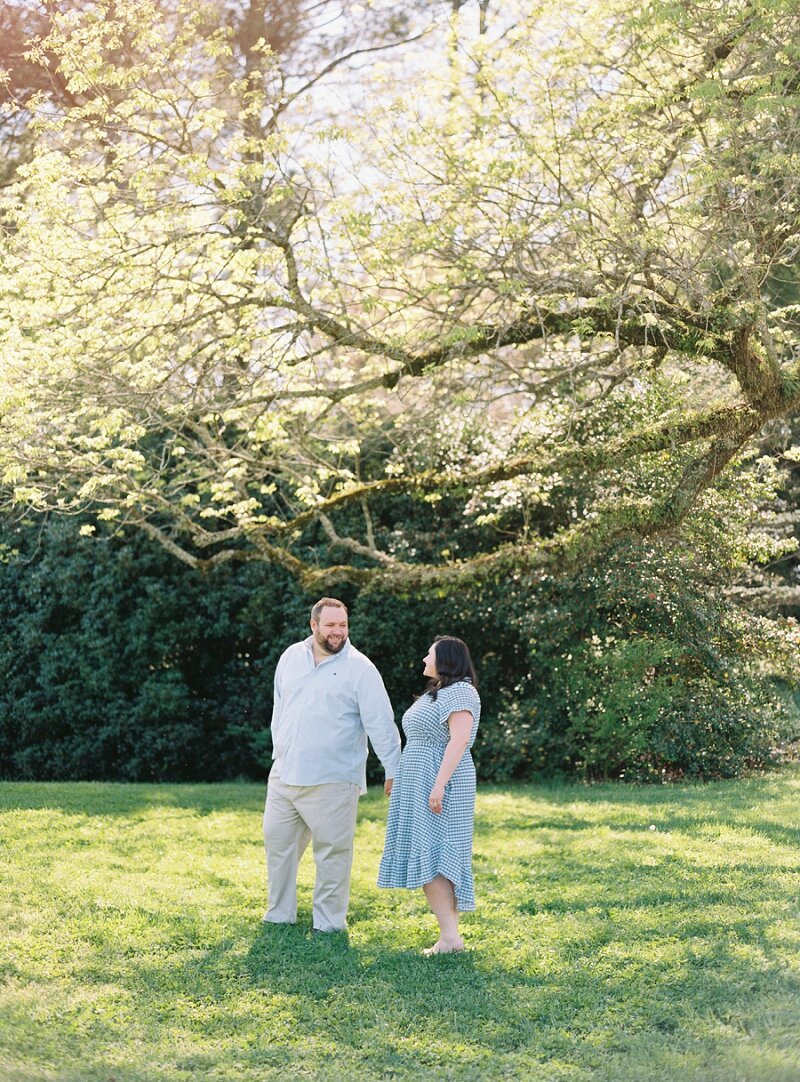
(420, 845)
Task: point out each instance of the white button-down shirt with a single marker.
(323, 715)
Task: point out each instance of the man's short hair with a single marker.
(327, 602)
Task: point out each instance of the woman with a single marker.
(432, 806)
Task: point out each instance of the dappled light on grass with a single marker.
(622, 933)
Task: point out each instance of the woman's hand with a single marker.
(387, 786)
(436, 798)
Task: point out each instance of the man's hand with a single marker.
(387, 786)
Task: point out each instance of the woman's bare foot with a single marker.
(445, 947)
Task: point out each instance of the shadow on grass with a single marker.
(686, 807)
(347, 1011)
(123, 799)
(380, 1007)
(411, 998)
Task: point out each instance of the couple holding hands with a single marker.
(329, 699)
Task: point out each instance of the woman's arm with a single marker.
(460, 725)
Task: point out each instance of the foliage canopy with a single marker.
(248, 306)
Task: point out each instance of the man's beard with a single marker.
(330, 647)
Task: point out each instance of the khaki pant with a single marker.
(326, 816)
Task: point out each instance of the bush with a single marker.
(117, 662)
(637, 669)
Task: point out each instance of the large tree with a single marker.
(524, 256)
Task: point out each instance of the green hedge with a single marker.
(117, 662)
(633, 669)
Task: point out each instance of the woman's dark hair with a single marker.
(453, 663)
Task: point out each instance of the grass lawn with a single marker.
(622, 933)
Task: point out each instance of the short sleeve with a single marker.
(460, 696)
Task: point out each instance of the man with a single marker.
(329, 698)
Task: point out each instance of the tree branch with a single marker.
(668, 434)
(354, 546)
